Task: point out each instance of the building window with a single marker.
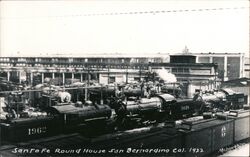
(185, 70)
(180, 70)
(111, 79)
(174, 70)
(137, 79)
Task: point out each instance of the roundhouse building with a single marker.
(193, 71)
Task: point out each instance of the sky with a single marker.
(34, 28)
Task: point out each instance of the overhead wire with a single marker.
(154, 12)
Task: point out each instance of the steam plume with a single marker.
(166, 76)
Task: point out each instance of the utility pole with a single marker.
(140, 71)
(127, 75)
(87, 85)
(108, 73)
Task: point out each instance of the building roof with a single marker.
(122, 55)
(94, 55)
(184, 64)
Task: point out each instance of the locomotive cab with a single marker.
(236, 99)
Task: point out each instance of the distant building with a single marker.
(247, 68)
(230, 65)
(103, 68)
(193, 71)
(189, 74)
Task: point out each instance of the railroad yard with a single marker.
(124, 78)
(117, 120)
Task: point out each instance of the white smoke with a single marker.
(166, 76)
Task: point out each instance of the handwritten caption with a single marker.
(106, 151)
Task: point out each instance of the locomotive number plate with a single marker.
(37, 130)
(184, 108)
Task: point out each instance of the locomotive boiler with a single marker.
(161, 107)
(223, 99)
(87, 118)
(75, 115)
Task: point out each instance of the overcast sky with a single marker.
(63, 27)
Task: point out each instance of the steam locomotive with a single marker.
(56, 113)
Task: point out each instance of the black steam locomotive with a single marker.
(56, 113)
